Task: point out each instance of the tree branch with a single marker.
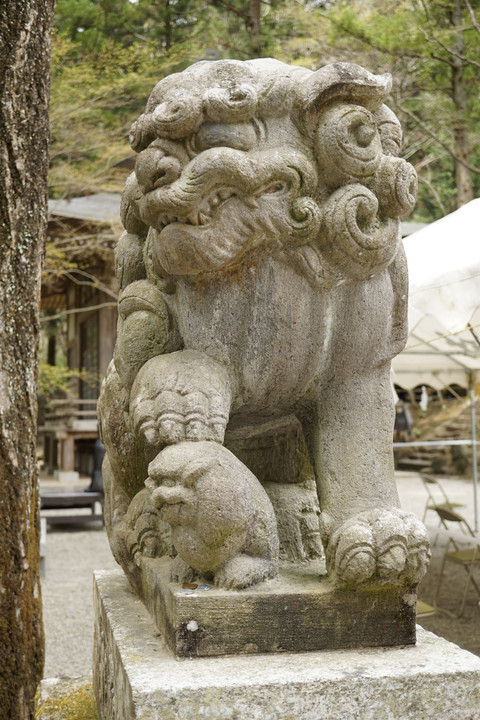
(77, 310)
(414, 147)
(435, 137)
(475, 24)
(434, 40)
(425, 10)
(91, 282)
(232, 8)
(429, 161)
(435, 194)
(463, 58)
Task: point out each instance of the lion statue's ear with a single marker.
(366, 189)
(337, 82)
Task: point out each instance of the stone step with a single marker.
(409, 463)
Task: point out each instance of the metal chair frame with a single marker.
(466, 557)
(429, 482)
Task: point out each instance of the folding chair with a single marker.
(467, 557)
(424, 609)
(437, 497)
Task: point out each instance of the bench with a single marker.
(71, 501)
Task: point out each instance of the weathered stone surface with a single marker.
(296, 611)
(263, 297)
(222, 521)
(137, 678)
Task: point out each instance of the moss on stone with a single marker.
(67, 701)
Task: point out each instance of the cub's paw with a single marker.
(146, 534)
(379, 547)
(242, 571)
(180, 572)
(181, 396)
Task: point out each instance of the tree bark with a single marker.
(167, 24)
(254, 22)
(463, 175)
(25, 31)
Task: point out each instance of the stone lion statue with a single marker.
(248, 409)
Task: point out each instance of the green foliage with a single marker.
(56, 262)
(106, 57)
(53, 380)
(91, 23)
(108, 54)
(94, 99)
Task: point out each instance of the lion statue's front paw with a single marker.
(379, 547)
(180, 396)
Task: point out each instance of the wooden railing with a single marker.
(71, 413)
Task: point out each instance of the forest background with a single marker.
(108, 54)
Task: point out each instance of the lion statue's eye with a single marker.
(239, 136)
(274, 188)
(167, 482)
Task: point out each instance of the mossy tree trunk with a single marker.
(25, 31)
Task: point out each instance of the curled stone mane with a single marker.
(226, 91)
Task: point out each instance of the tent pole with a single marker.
(474, 449)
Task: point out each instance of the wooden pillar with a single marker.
(68, 454)
(47, 451)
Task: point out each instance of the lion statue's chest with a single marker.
(266, 323)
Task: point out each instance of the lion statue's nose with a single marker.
(155, 168)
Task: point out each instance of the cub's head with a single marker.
(238, 155)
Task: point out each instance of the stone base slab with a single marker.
(136, 676)
(298, 610)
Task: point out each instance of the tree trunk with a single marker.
(25, 28)
(463, 175)
(254, 22)
(167, 24)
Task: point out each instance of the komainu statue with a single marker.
(248, 411)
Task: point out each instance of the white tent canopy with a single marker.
(443, 346)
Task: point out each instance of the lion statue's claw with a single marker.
(180, 396)
(380, 547)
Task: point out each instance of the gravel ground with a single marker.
(71, 557)
(73, 554)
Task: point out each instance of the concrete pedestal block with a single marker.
(136, 677)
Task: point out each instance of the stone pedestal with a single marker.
(296, 611)
(136, 677)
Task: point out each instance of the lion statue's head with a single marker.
(236, 155)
